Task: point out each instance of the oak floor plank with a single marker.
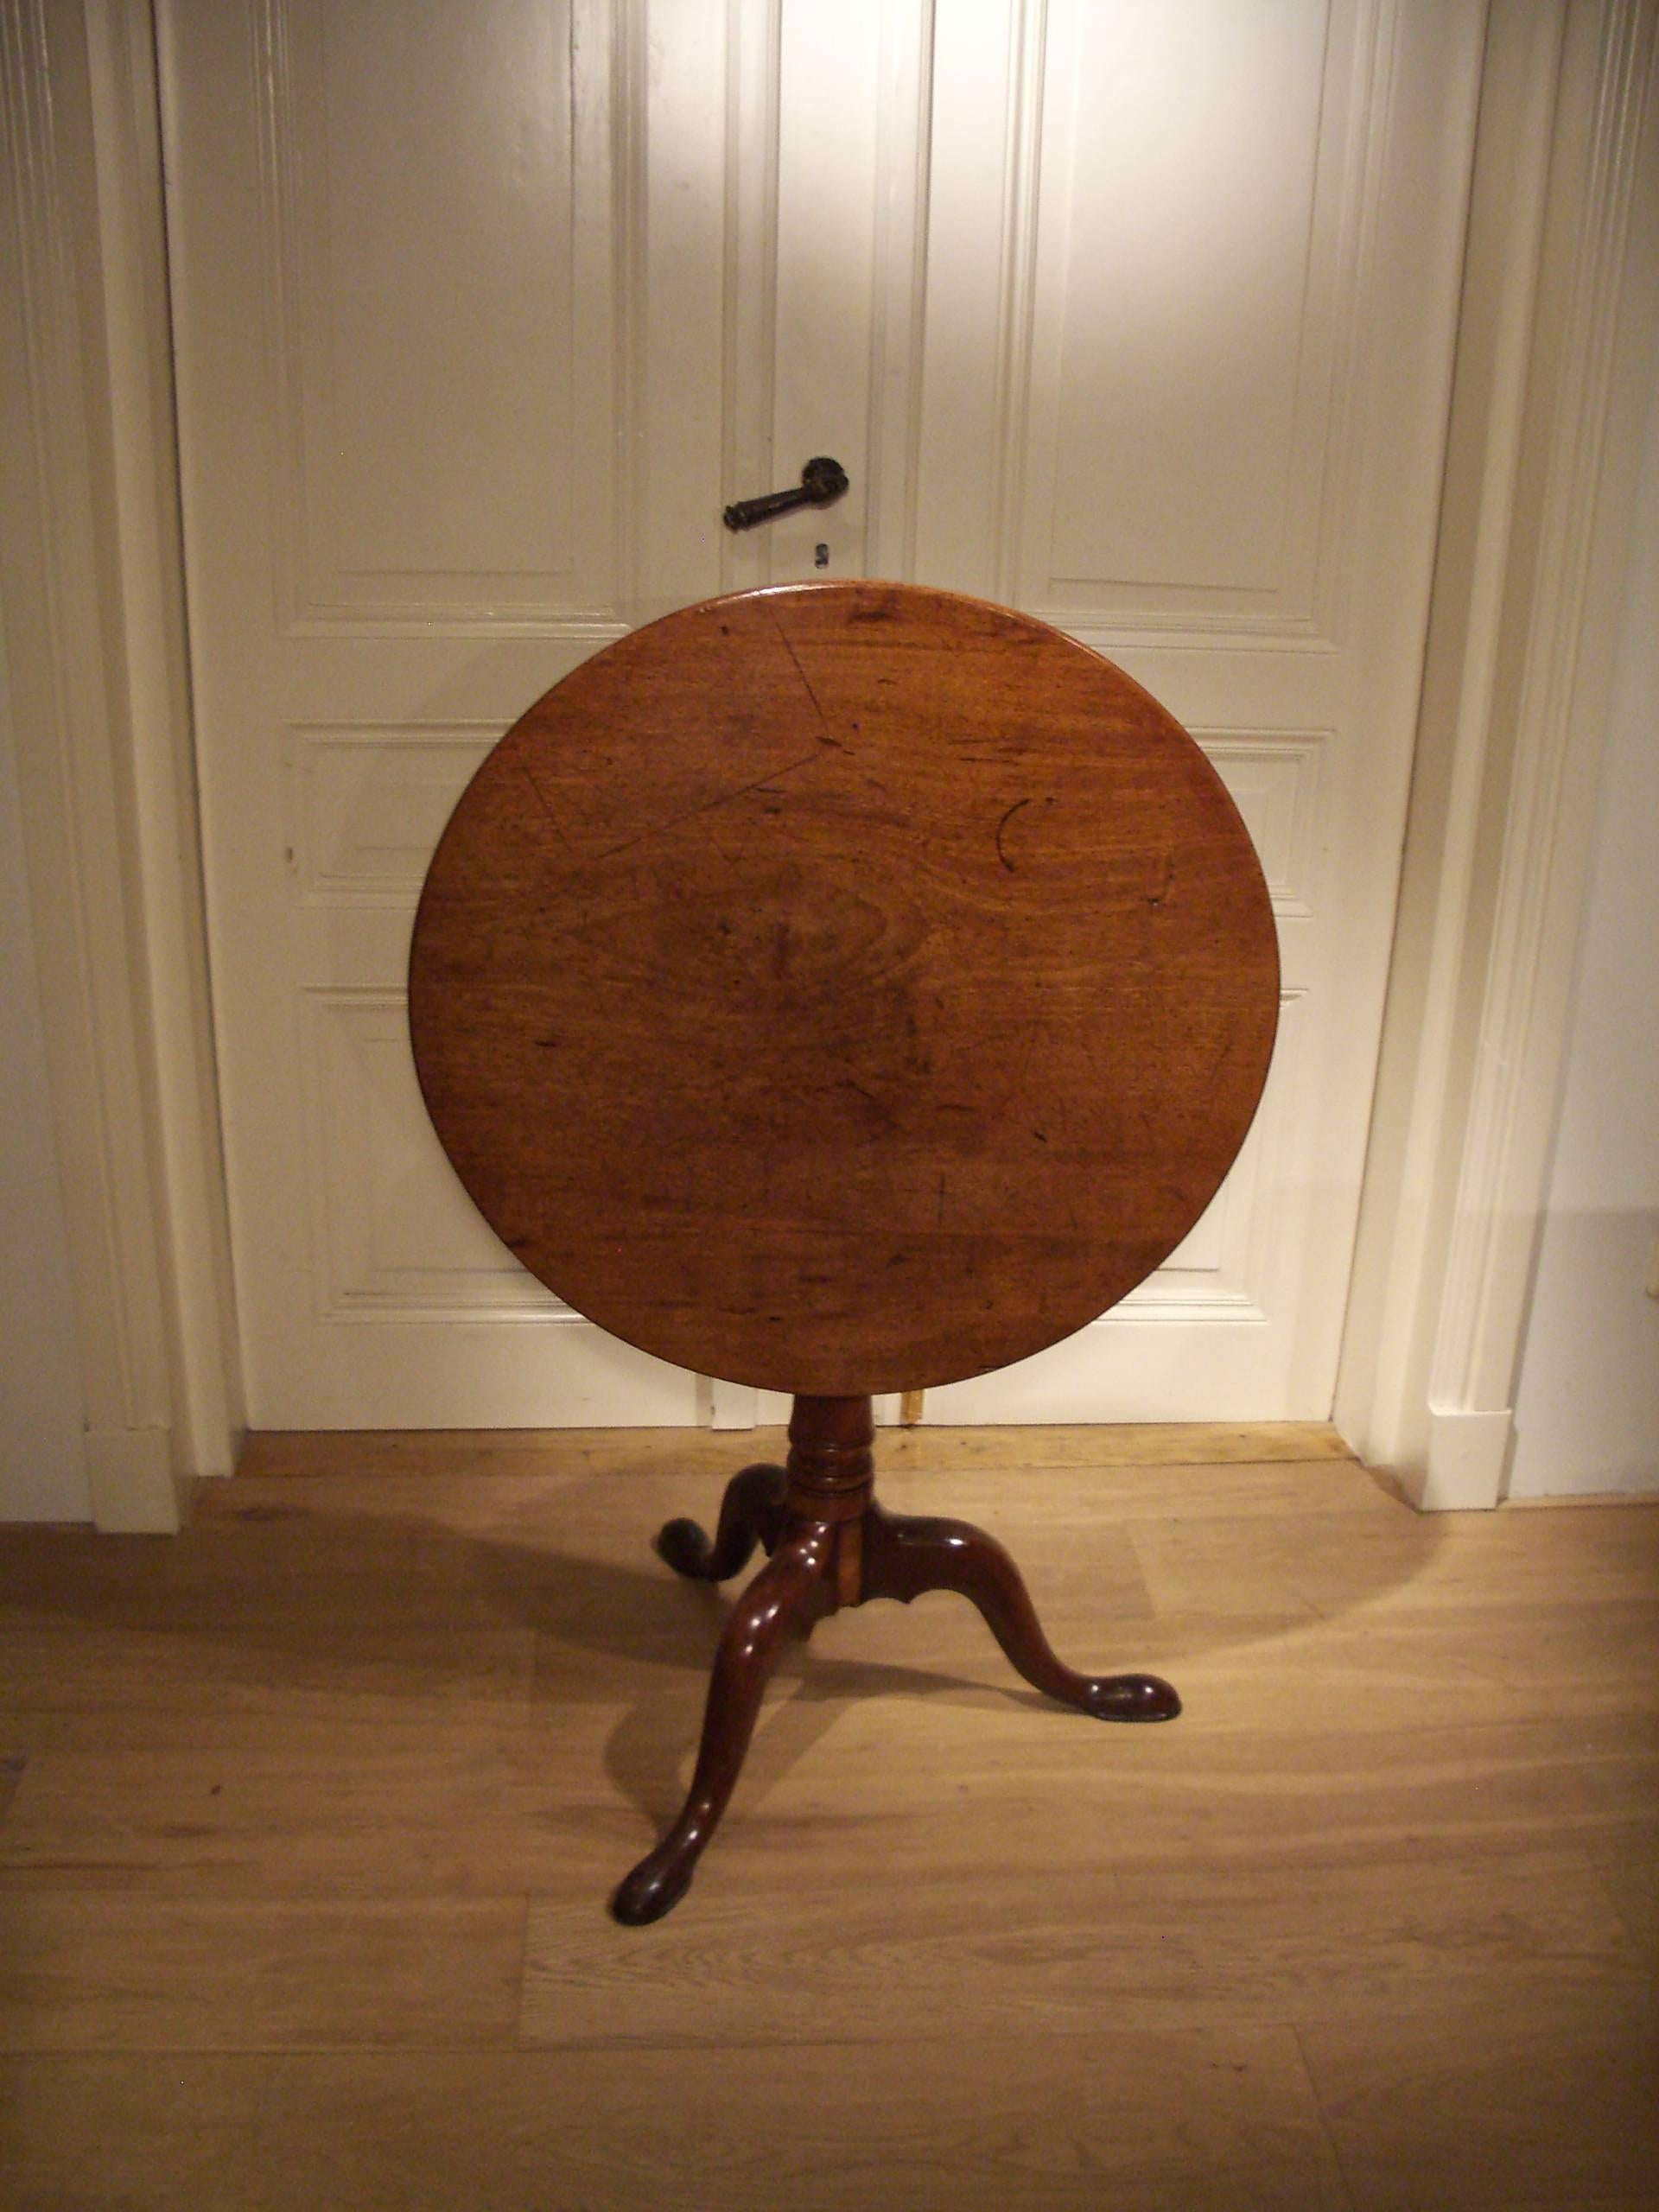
(338, 1671)
(835, 1797)
(856, 1764)
(1321, 1562)
(921, 1774)
(1026, 1495)
(618, 1453)
(549, 1510)
(1632, 1881)
(434, 1585)
(1487, 2108)
(1128, 1444)
(116, 2131)
(1370, 1669)
(1098, 2123)
(87, 1972)
(470, 1820)
(1394, 1668)
(1070, 1950)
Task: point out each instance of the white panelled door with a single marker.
(1136, 314)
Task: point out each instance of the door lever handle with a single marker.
(821, 481)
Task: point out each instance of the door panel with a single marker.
(412, 277)
(1179, 396)
(439, 238)
(1138, 316)
(1212, 353)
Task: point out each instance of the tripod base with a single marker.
(829, 1545)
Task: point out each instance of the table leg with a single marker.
(906, 1554)
(792, 1591)
(751, 1512)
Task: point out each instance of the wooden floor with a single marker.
(308, 1819)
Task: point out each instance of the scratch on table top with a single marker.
(708, 805)
(546, 805)
(1000, 854)
(818, 708)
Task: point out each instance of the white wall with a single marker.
(1587, 1406)
(42, 1456)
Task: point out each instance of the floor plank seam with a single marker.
(1327, 2131)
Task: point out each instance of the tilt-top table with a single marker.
(841, 988)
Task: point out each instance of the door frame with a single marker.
(90, 564)
(1557, 355)
(1556, 345)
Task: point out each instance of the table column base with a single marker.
(829, 1545)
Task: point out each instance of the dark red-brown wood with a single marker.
(843, 987)
(831, 1545)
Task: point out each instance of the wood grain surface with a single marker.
(301, 1884)
(843, 987)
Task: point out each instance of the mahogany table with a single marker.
(841, 988)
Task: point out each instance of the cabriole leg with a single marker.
(790, 1593)
(906, 1554)
(751, 1512)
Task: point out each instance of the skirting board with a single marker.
(135, 1490)
(1463, 1470)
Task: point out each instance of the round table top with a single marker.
(843, 987)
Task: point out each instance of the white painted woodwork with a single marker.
(43, 1474)
(1587, 1399)
(92, 590)
(1560, 336)
(1137, 315)
(1555, 688)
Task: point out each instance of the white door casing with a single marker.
(1138, 316)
